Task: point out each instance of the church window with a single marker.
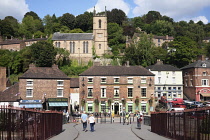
(85, 47)
(99, 46)
(99, 23)
(72, 47)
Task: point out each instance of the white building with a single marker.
(168, 80)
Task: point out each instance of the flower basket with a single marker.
(137, 101)
(96, 101)
(109, 102)
(82, 102)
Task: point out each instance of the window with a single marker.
(90, 107)
(159, 80)
(29, 92)
(103, 106)
(159, 88)
(103, 80)
(143, 108)
(130, 107)
(205, 82)
(60, 83)
(29, 82)
(90, 92)
(143, 80)
(143, 92)
(204, 65)
(174, 88)
(85, 47)
(130, 92)
(57, 44)
(179, 88)
(116, 80)
(158, 40)
(169, 94)
(60, 92)
(159, 94)
(191, 82)
(169, 88)
(90, 80)
(130, 80)
(204, 73)
(159, 72)
(116, 92)
(99, 23)
(72, 47)
(173, 72)
(103, 92)
(174, 80)
(99, 46)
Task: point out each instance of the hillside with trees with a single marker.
(188, 40)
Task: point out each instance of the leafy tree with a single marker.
(152, 16)
(141, 52)
(68, 20)
(161, 27)
(33, 14)
(62, 57)
(116, 16)
(116, 40)
(13, 23)
(43, 54)
(182, 51)
(84, 21)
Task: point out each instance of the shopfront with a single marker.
(36, 104)
(59, 104)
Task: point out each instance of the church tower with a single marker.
(100, 33)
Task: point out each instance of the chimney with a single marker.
(54, 66)
(159, 62)
(127, 63)
(32, 36)
(32, 66)
(166, 37)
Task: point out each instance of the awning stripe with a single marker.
(58, 104)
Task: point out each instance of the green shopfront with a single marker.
(59, 104)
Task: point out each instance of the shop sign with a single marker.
(57, 99)
(30, 101)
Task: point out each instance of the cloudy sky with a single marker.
(177, 9)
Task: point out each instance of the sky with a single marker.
(186, 10)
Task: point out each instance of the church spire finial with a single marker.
(94, 11)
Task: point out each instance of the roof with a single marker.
(14, 41)
(44, 73)
(117, 71)
(198, 64)
(72, 36)
(74, 83)
(10, 94)
(162, 67)
(164, 37)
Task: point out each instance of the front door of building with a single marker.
(116, 108)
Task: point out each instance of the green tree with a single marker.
(43, 54)
(68, 20)
(182, 51)
(116, 16)
(84, 21)
(161, 27)
(141, 52)
(62, 57)
(152, 16)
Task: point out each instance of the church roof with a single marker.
(72, 36)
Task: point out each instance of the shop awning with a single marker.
(205, 94)
(58, 104)
(31, 105)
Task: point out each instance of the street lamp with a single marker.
(123, 100)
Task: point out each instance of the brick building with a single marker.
(125, 88)
(47, 85)
(196, 80)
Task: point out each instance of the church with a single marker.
(85, 46)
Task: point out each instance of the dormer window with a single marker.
(204, 65)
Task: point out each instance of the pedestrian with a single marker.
(127, 118)
(84, 119)
(67, 116)
(139, 116)
(92, 122)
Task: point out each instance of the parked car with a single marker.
(179, 105)
(194, 104)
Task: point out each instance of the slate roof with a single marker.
(162, 67)
(197, 64)
(10, 94)
(72, 36)
(44, 73)
(116, 71)
(74, 83)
